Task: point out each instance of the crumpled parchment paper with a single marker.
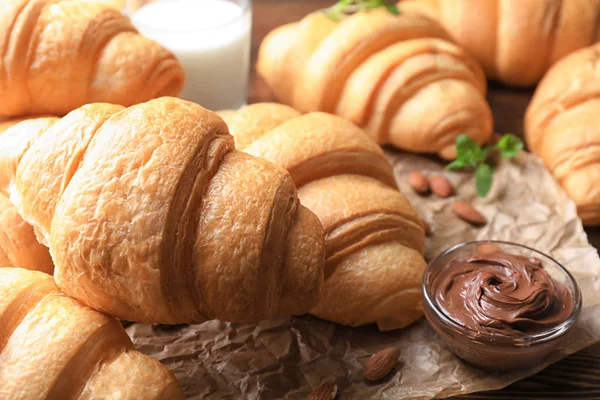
(285, 358)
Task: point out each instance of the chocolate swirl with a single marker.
(502, 294)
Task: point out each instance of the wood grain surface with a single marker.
(576, 377)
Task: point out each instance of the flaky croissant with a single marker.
(516, 41)
(399, 77)
(52, 347)
(374, 238)
(18, 244)
(116, 4)
(152, 216)
(562, 126)
(57, 55)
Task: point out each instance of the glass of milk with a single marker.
(211, 39)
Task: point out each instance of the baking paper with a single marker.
(285, 358)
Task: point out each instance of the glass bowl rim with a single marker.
(536, 338)
(246, 7)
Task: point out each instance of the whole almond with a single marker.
(441, 186)
(418, 182)
(468, 213)
(325, 391)
(380, 364)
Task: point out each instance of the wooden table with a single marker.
(577, 376)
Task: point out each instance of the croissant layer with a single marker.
(374, 238)
(52, 347)
(151, 215)
(398, 77)
(561, 126)
(516, 41)
(18, 243)
(57, 55)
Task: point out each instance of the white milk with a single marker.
(211, 38)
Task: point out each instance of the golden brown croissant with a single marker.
(399, 77)
(52, 347)
(374, 238)
(57, 55)
(18, 244)
(151, 215)
(562, 126)
(116, 4)
(516, 41)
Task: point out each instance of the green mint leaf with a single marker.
(479, 155)
(509, 145)
(483, 179)
(465, 143)
(331, 14)
(342, 7)
(369, 4)
(468, 151)
(335, 11)
(456, 164)
(392, 8)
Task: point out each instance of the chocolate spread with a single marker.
(501, 294)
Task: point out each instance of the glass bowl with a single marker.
(494, 352)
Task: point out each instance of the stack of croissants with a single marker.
(120, 201)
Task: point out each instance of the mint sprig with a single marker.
(346, 7)
(469, 155)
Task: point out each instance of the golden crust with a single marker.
(377, 69)
(90, 355)
(18, 243)
(516, 41)
(151, 215)
(375, 240)
(561, 126)
(77, 52)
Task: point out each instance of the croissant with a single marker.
(52, 347)
(398, 77)
(116, 4)
(374, 238)
(516, 41)
(58, 55)
(18, 244)
(152, 216)
(561, 126)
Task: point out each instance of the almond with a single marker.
(325, 391)
(418, 182)
(467, 212)
(488, 248)
(380, 364)
(441, 186)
